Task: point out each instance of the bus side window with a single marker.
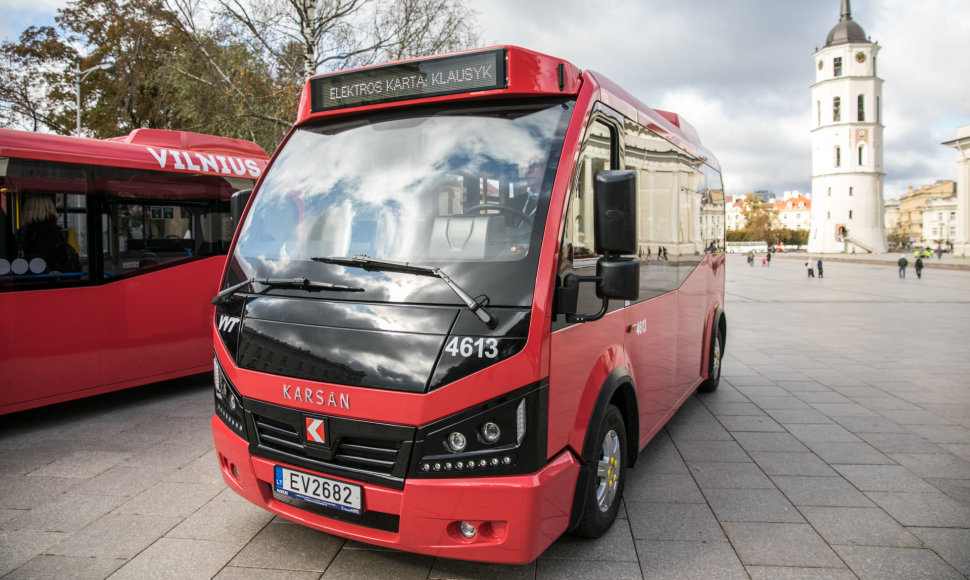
(674, 199)
(44, 240)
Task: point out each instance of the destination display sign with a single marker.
(461, 73)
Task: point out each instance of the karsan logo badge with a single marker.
(314, 430)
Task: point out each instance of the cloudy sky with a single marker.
(740, 71)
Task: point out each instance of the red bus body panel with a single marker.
(60, 344)
(535, 508)
(131, 332)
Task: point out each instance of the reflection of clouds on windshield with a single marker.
(371, 189)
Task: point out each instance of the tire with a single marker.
(604, 491)
(714, 366)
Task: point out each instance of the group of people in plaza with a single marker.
(815, 267)
(903, 263)
(765, 262)
(811, 269)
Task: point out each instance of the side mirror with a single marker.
(237, 205)
(615, 234)
(615, 200)
(619, 279)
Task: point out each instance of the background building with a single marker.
(961, 242)
(847, 171)
(794, 212)
(940, 222)
(915, 203)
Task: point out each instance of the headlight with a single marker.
(500, 437)
(491, 432)
(228, 402)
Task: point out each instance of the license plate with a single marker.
(319, 490)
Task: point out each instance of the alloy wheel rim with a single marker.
(716, 374)
(608, 471)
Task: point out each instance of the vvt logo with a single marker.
(227, 323)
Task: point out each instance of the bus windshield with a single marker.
(465, 191)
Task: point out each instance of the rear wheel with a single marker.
(605, 489)
(714, 372)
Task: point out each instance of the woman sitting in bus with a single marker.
(40, 236)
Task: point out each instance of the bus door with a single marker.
(652, 322)
(694, 279)
(150, 226)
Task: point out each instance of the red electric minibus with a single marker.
(110, 251)
(466, 293)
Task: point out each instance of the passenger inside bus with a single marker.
(40, 238)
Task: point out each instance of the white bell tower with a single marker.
(847, 171)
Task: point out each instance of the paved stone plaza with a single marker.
(838, 446)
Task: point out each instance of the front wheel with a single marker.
(602, 495)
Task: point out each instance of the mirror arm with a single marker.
(573, 281)
(571, 318)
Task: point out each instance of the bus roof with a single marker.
(489, 73)
(146, 149)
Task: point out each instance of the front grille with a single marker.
(278, 435)
(368, 454)
(368, 519)
(360, 450)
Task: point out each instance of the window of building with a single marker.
(837, 66)
(878, 110)
(828, 215)
(850, 214)
(830, 192)
(850, 192)
(862, 154)
(861, 108)
(837, 109)
(818, 113)
(838, 156)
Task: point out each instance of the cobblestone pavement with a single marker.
(838, 446)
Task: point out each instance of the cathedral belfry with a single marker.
(847, 169)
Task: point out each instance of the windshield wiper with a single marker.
(301, 283)
(368, 263)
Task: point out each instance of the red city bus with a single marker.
(109, 254)
(467, 292)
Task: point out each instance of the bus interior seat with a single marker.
(467, 237)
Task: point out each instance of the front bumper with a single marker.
(517, 517)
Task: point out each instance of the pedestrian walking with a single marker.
(768, 258)
(903, 262)
(820, 268)
(919, 268)
(750, 259)
(764, 262)
(811, 272)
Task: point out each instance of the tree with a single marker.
(37, 90)
(897, 237)
(761, 221)
(297, 38)
(134, 93)
(236, 71)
